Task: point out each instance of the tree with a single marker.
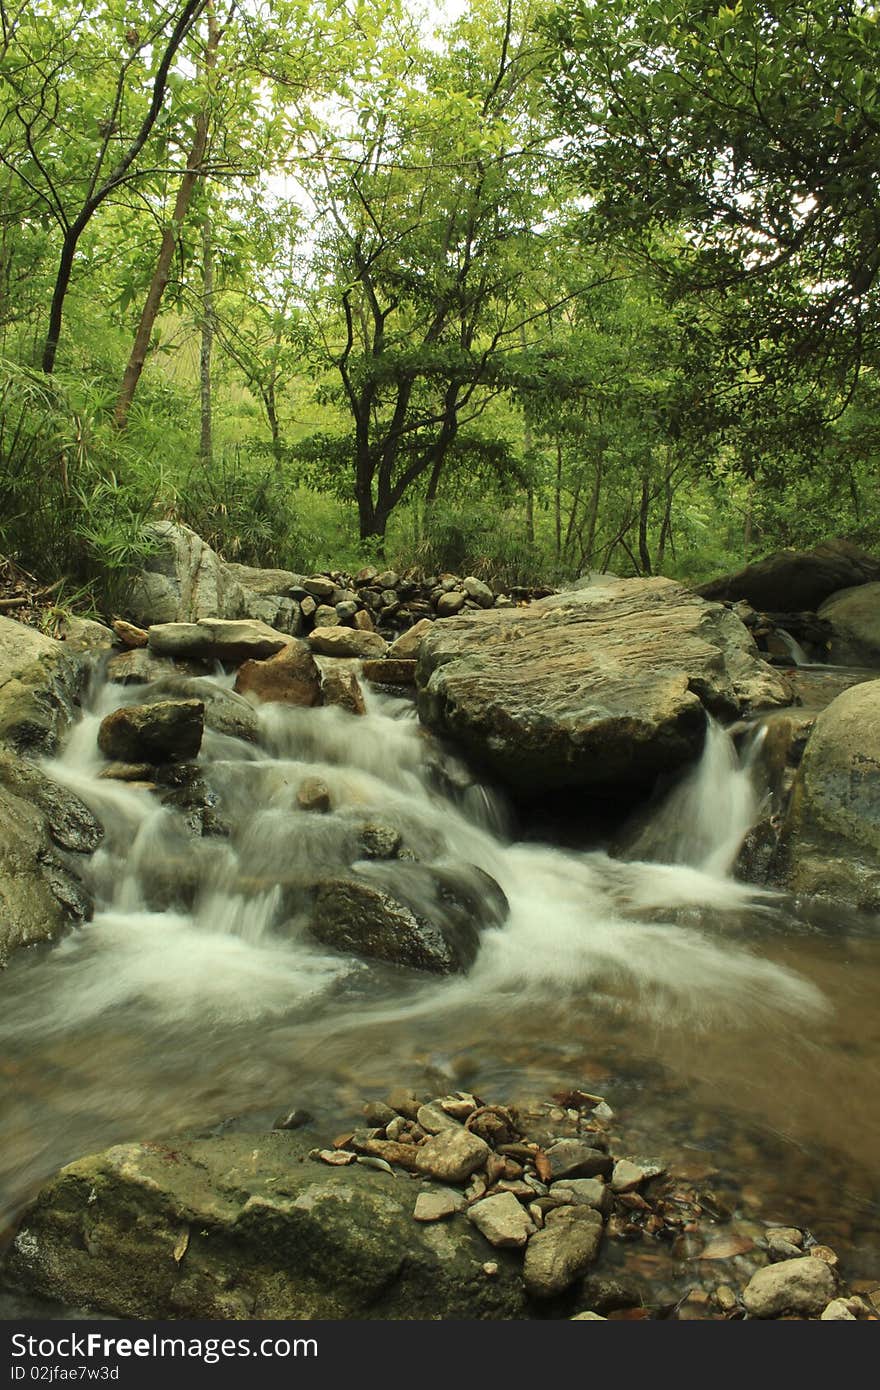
(737, 151)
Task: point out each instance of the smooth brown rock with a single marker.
(168, 731)
(562, 1251)
(801, 1286)
(291, 677)
(452, 1156)
(342, 688)
(503, 1220)
(388, 672)
(129, 635)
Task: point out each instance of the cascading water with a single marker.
(197, 992)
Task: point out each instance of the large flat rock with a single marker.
(854, 615)
(790, 581)
(600, 690)
(248, 1226)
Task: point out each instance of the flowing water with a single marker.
(733, 1030)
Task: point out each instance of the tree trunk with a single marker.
(558, 501)
(644, 509)
(169, 240)
(206, 447)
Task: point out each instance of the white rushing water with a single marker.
(578, 921)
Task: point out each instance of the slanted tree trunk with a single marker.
(162, 272)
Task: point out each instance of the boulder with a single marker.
(40, 683)
(343, 688)
(793, 580)
(154, 1231)
(225, 711)
(168, 731)
(291, 677)
(600, 690)
(267, 583)
(217, 639)
(137, 666)
(854, 617)
(183, 580)
(84, 634)
(406, 646)
(44, 829)
(347, 641)
(831, 837)
(407, 914)
(388, 672)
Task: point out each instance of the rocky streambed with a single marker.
(269, 879)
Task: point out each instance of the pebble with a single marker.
(632, 1172)
(337, 1158)
(781, 1249)
(588, 1317)
(437, 1203)
(803, 1285)
(570, 1158)
(563, 1250)
(453, 1155)
(405, 1102)
(725, 1298)
(490, 1269)
(502, 1220)
(826, 1254)
(582, 1192)
(379, 1115)
(433, 1118)
(838, 1310)
(294, 1119)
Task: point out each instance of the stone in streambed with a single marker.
(388, 672)
(502, 1220)
(572, 1158)
(342, 688)
(314, 795)
(437, 1204)
(168, 731)
(582, 1192)
(630, 1173)
(803, 1286)
(557, 1255)
(217, 639)
(346, 641)
(406, 646)
(452, 1156)
(291, 677)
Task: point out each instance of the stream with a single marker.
(734, 1031)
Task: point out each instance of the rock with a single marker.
(267, 582)
(363, 621)
(452, 1156)
(183, 580)
(388, 672)
(154, 1231)
(429, 919)
(43, 830)
(320, 587)
(791, 580)
(433, 1118)
(854, 616)
(438, 1203)
(169, 731)
(838, 1310)
(588, 1317)
(225, 712)
(572, 1158)
(84, 635)
(478, 591)
(599, 690)
(346, 610)
(449, 604)
(129, 635)
(377, 1114)
(557, 1255)
(314, 795)
(831, 837)
(346, 641)
(139, 667)
(802, 1286)
(502, 1220)
(326, 616)
(379, 841)
(781, 1249)
(406, 646)
(631, 1173)
(40, 682)
(583, 1192)
(342, 688)
(291, 677)
(214, 639)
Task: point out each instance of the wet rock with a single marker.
(854, 617)
(792, 580)
(127, 772)
(572, 1158)
(291, 677)
(139, 667)
(502, 1220)
(389, 672)
(404, 1102)
(433, 1118)
(440, 1202)
(587, 1192)
(347, 642)
(342, 688)
(40, 682)
(225, 712)
(406, 646)
(377, 1114)
(379, 841)
(304, 1242)
(609, 1293)
(631, 1173)
(84, 634)
(781, 1249)
(368, 919)
(831, 838)
(168, 731)
(314, 795)
(802, 1286)
(560, 1253)
(293, 1119)
(452, 1156)
(599, 690)
(216, 639)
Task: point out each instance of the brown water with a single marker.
(734, 1034)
